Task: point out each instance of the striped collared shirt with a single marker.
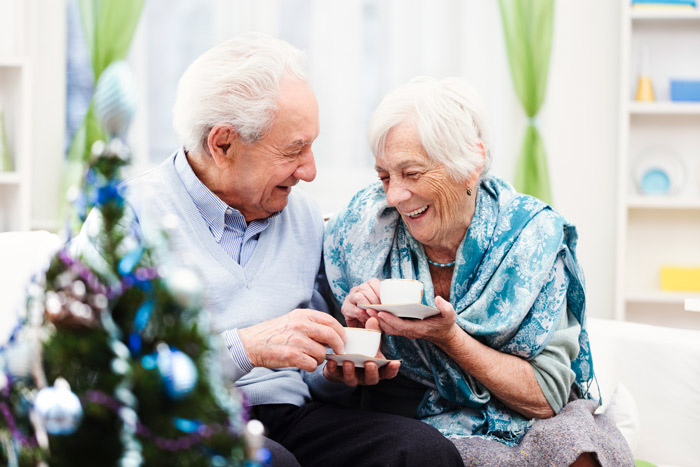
(226, 224)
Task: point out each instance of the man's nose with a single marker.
(307, 168)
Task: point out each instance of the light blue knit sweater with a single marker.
(279, 277)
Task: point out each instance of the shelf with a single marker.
(12, 62)
(664, 15)
(664, 108)
(9, 178)
(663, 202)
(661, 298)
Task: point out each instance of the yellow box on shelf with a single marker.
(679, 278)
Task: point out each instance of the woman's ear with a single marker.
(473, 178)
(221, 142)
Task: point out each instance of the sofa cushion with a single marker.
(22, 255)
(661, 368)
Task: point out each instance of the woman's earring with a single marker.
(469, 191)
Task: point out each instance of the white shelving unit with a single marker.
(660, 230)
(15, 100)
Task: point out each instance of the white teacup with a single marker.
(362, 341)
(396, 291)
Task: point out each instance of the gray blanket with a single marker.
(558, 441)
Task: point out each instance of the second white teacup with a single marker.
(396, 291)
(362, 341)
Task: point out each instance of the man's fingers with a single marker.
(325, 330)
(327, 320)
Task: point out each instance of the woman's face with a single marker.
(435, 208)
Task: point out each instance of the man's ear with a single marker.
(221, 142)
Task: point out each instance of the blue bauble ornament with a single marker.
(116, 98)
(178, 371)
(58, 408)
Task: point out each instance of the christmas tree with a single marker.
(113, 363)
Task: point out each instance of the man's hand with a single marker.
(297, 339)
(369, 375)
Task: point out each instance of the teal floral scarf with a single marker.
(501, 290)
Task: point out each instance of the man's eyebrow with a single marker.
(297, 144)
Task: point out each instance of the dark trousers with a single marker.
(324, 435)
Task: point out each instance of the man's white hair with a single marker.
(236, 83)
(449, 119)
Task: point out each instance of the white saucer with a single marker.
(357, 359)
(405, 310)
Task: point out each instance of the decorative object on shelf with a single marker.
(661, 5)
(680, 278)
(685, 90)
(5, 159)
(659, 172)
(645, 89)
(692, 304)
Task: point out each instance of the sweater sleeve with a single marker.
(552, 366)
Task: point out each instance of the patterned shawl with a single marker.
(502, 266)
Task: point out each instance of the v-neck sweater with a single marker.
(279, 277)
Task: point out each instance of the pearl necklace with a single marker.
(440, 265)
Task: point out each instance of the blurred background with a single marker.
(358, 50)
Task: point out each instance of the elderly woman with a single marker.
(509, 346)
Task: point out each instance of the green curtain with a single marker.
(527, 25)
(109, 27)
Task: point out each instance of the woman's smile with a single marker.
(416, 213)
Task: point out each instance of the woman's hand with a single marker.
(368, 292)
(439, 329)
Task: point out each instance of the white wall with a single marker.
(579, 123)
(48, 51)
(578, 120)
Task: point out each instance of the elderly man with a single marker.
(247, 119)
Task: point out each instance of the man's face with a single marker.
(263, 173)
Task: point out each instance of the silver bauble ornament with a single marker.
(115, 98)
(185, 287)
(58, 408)
(19, 358)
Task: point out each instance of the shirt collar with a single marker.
(210, 206)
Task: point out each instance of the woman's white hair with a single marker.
(235, 83)
(449, 118)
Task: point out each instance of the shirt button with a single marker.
(229, 211)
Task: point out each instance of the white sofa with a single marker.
(659, 366)
(661, 369)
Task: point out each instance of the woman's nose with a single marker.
(396, 194)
